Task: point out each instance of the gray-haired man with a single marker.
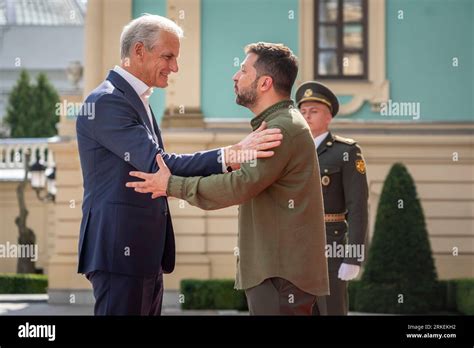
(126, 239)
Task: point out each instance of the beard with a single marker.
(247, 97)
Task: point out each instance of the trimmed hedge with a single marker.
(353, 287)
(23, 283)
(465, 296)
(212, 294)
(384, 298)
(448, 296)
(400, 265)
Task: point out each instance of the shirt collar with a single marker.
(319, 139)
(140, 87)
(257, 120)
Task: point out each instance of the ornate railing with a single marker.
(12, 152)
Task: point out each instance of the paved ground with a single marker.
(38, 305)
(43, 308)
(37, 308)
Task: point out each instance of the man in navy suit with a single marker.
(126, 239)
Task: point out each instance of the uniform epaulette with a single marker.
(347, 141)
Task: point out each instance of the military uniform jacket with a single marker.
(345, 190)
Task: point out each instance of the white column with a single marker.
(183, 94)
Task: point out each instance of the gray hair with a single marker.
(146, 29)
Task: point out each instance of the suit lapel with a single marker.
(157, 130)
(132, 96)
(162, 146)
(323, 146)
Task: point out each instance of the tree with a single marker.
(31, 109)
(400, 275)
(20, 107)
(45, 99)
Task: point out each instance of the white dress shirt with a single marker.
(319, 139)
(144, 92)
(141, 88)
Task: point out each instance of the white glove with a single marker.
(348, 272)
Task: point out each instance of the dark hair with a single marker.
(276, 61)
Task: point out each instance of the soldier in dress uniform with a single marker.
(345, 193)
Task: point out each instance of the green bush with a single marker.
(400, 267)
(23, 284)
(353, 289)
(31, 109)
(454, 296)
(447, 296)
(465, 296)
(212, 294)
(396, 299)
(450, 302)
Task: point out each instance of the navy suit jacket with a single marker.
(123, 231)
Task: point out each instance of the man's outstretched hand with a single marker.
(255, 145)
(156, 183)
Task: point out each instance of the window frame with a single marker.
(340, 50)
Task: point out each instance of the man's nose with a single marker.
(235, 77)
(174, 66)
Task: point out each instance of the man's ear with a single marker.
(328, 118)
(139, 49)
(267, 83)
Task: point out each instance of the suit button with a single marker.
(325, 170)
(336, 232)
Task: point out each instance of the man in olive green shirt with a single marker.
(281, 220)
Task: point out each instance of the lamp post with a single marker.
(26, 236)
(41, 181)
